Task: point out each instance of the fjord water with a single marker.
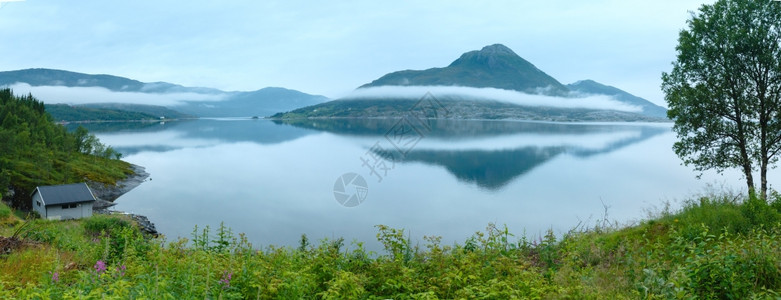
(274, 181)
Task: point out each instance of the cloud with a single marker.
(168, 138)
(85, 95)
(508, 96)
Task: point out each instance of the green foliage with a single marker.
(394, 242)
(724, 92)
(35, 151)
(5, 211)
(711, 266)
(112, 112)
(98, 224)
(205, 242)
(727, 213)
(64, 112)
(676, 255)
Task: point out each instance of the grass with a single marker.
(5, 211)
(715, 247)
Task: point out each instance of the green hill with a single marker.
(49, 77)
(493, 66)
(109, 112)
(35, 151)
(52, 77)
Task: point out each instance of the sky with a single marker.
(330, 48)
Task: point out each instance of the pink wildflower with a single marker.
(100, 266)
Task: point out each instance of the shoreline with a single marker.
(107, 194)
(64, 122)
(110, 193)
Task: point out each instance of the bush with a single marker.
(759, 213)
(98, 224)
(5, 211)
(729, 213)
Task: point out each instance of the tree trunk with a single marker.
(743, 145)
(763, 179)
(749, 179)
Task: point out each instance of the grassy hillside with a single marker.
(155, 111)
(68, 113)
(110, 112)
(717, 247)
(35, 151)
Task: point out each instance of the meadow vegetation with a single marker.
(714, 247)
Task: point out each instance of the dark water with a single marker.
(274, 181)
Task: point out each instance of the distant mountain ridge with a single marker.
(274, 100)
(52, 77)
(263, 102)
(590, 87)
(497, 67)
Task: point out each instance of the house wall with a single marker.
(38, 205)
(86, 209)
(56, 212)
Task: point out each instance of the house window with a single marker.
(66, 206)
(38, 203)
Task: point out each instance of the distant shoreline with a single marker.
(120, 121)
(649, 120)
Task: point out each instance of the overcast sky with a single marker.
(332, 47)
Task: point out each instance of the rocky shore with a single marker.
(109, 193)
(106, 194)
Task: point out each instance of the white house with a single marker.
(60, 202)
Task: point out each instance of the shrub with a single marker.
(98, 224)
(5, 211)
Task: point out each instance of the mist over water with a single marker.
(89, 95)
(494, 94)
(275, 181)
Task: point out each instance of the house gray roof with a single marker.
(66, 193)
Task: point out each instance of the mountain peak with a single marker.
(497, 49)
(492, 56)
(584, 81)
(493, 66)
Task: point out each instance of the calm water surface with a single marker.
(275, 181)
